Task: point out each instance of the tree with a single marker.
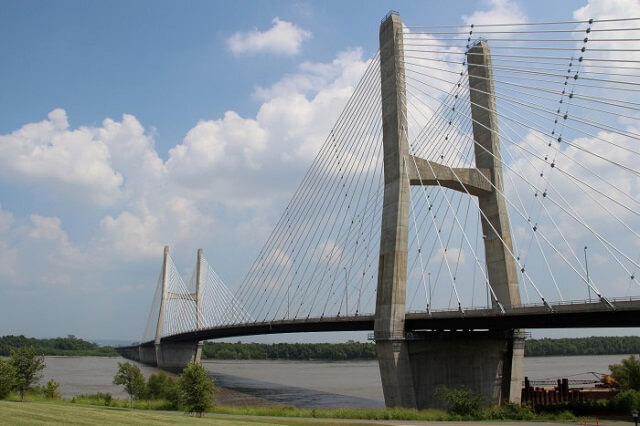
(627, 374)
(131, 378)
(197, 388)
(27, 366)
(7, 378)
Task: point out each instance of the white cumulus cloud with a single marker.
(500, 11)
(283, 38)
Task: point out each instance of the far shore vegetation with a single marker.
(59, 346)
(357, 350)
(73, 346)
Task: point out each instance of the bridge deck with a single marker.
(622, 313)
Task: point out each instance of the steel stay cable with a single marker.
(553, 200)
(326, 205)
(497, 80)
(372, 123)
(497, 65)
(372, 227)
(348, 109)
(328, 145)
(553, 138)
(347, 113)
(504, 55)
(434, 222)
(577, 220)
(455, 216)
(593, 30)
(519, 212)
(149, 332)
(460, 159)
(376, 155)
(606, 101)
(589, 21)
(544, 48)
(334, 149)
(583, 183)
(434, 146)
(531, 71)
(351, 137)
(568, 143)
(376, 169)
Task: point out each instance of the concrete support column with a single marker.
(165, 277)
(393, 355)
(501, 267)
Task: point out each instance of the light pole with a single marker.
(586, 265)
(429, 301)
(346, 292)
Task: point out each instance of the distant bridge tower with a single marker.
(487, 362)
(177, 355)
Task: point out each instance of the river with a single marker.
(315, 384)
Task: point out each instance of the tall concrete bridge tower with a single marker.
(487, 362)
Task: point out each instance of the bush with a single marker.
(197, 388)
(627, 374)
(626, 401)
(95, 399)
(7, 378)
(509, 411)
(461, 401)
(50, 390)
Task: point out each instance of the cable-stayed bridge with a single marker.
(481, 180)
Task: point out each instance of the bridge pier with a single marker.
(489, 363)
(176, 356)
(147, 354)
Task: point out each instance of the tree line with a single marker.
(294, 351)
(583, 346)
(367, 351)
(59, 346)
(73, 346)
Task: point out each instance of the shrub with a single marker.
(50, 390)
(626, 401)
(460, 401)
(627, 374)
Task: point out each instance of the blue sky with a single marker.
(114, 120)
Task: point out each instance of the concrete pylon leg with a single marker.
(501, 267)
(392, 349)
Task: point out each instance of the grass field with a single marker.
(56, 413)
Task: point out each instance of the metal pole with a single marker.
(346, 292)
(429, 301)
(586, 265)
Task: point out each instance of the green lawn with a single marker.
(56, 413)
